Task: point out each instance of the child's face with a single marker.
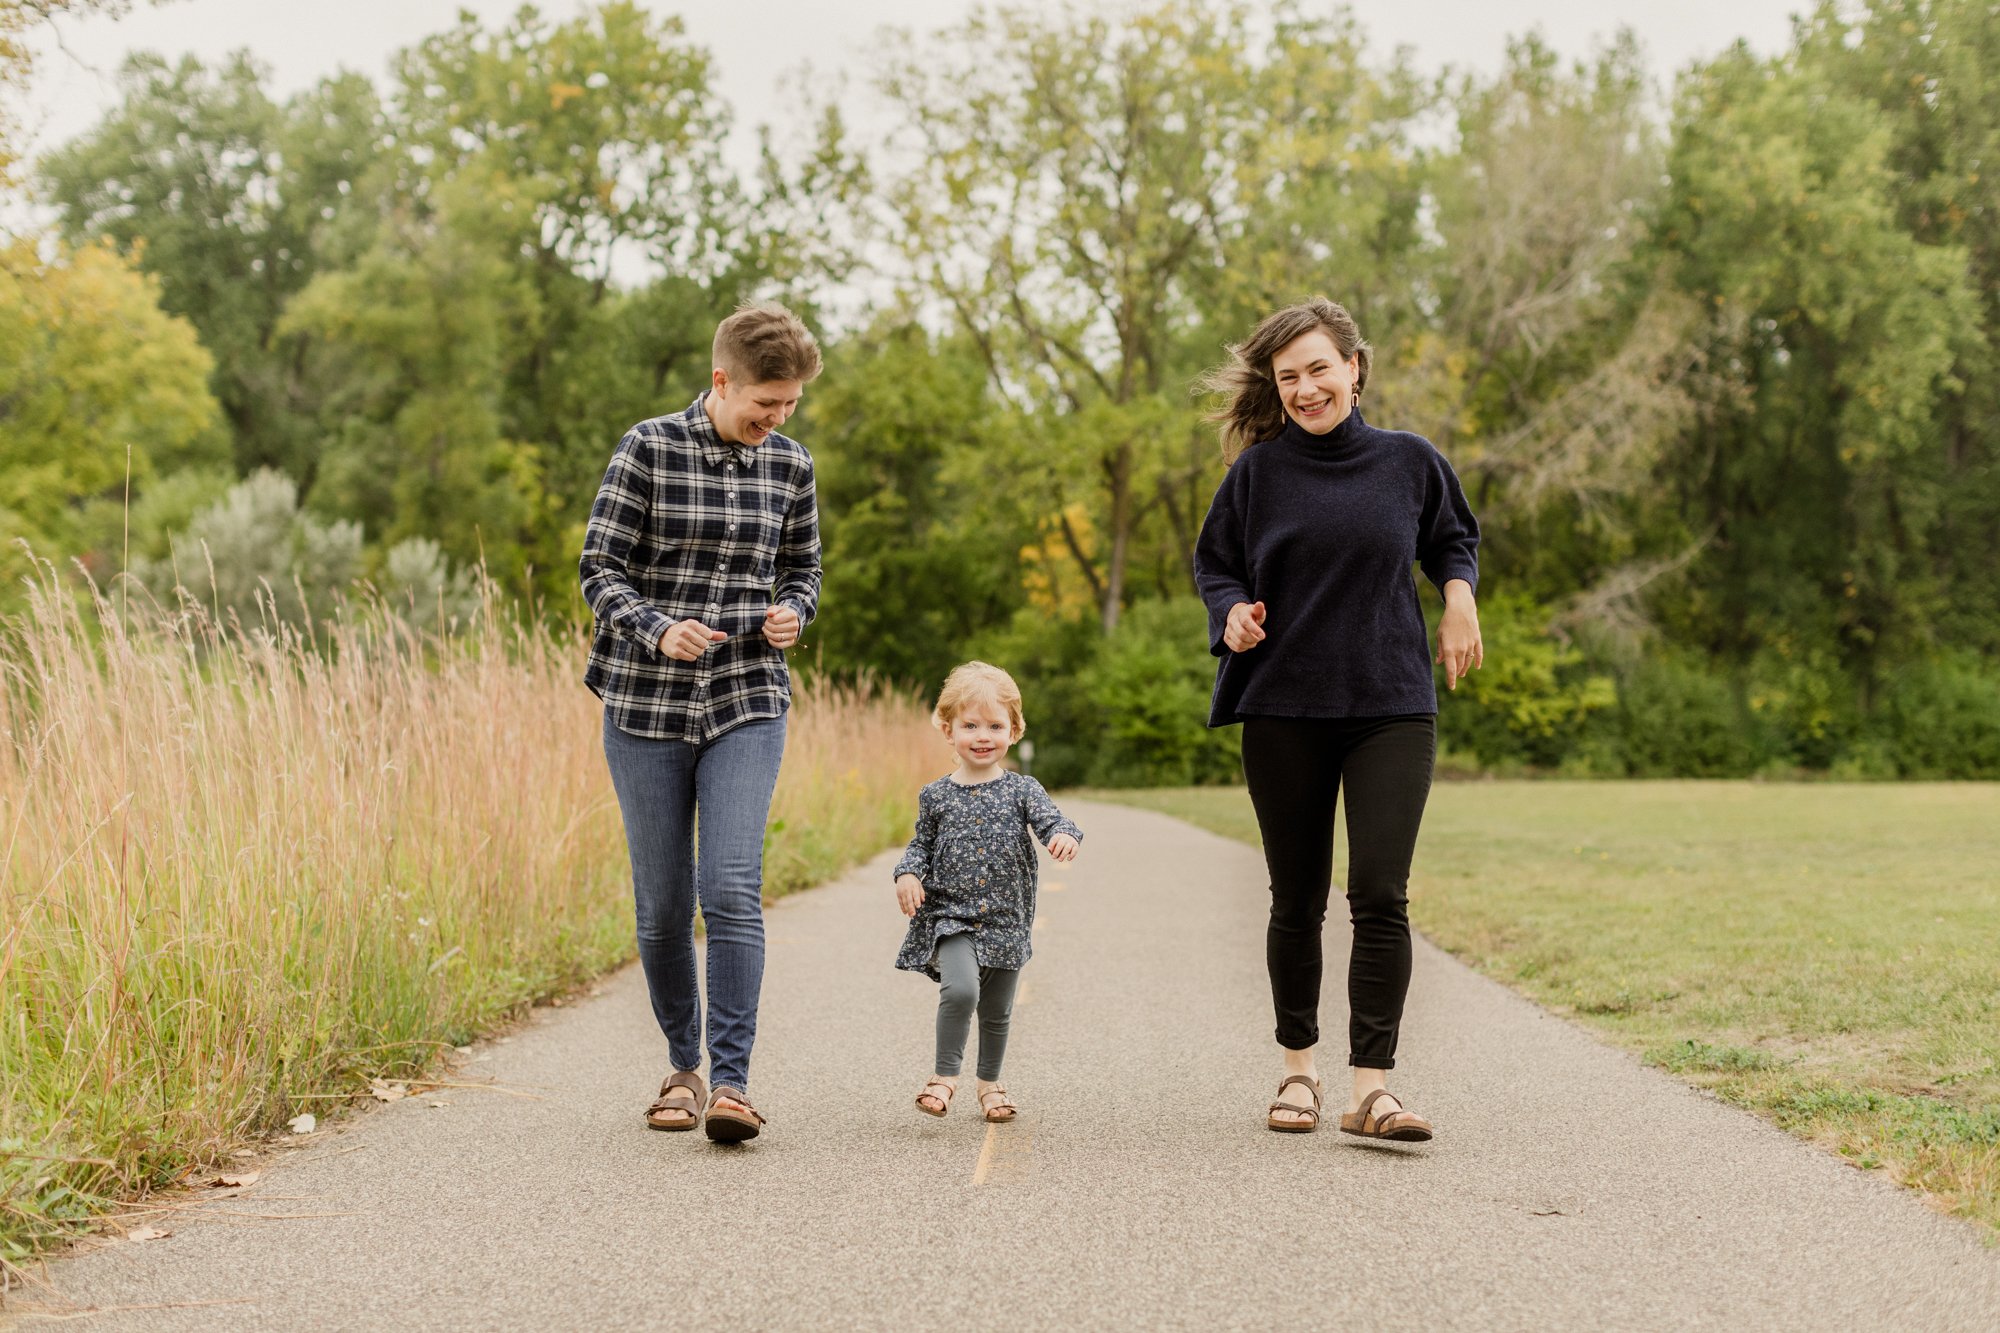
(980, 735)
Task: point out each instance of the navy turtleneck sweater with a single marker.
(1323, 530)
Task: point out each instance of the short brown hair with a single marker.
(979, 682)
(764, 342)
(1251, 409)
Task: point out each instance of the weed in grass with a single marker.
(1694, 1054)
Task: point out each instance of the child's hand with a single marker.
(909, 894)
(1062, 847)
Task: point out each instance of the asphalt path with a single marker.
(1568, 1187)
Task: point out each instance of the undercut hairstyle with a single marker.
(765, 342)
(1251, 409)
(979, 683)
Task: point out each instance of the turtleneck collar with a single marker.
(1342, 438)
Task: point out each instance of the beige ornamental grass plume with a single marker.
(247, 868)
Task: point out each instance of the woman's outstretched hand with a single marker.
(909, 894)
(1245, 627)
(1459, 646)
(1062, 847)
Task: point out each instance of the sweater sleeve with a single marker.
(917, 856)
(1221, 560)
(1447, 533)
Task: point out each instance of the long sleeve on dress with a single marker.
(1042, 814)
(917, 856)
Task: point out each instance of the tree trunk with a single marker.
(1118, 472)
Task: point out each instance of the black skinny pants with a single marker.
(1295, 767)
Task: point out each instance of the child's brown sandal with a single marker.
(997, 1105)
(686, 1111)
(1398, 1126)
(943, 1103)
(728, 1124)
(1306, 1126)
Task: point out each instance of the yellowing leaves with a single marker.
(562, 94)
(90, 366)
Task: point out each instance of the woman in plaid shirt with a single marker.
(701, 566)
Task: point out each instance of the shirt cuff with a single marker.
(649, 625)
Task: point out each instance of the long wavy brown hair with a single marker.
(1251, 409)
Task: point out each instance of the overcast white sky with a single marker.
(757, 42)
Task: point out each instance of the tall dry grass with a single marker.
(244, 872)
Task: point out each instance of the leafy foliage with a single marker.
(1718, 373)
(97, 384)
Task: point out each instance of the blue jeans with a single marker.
(661, 785)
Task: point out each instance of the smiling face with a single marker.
(747, 413)
(980, 733)
(1315, 383)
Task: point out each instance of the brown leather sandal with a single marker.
(726, 1124)
(943, 1103)
(997, 1105)
(685, 1110)
(1271, 1120)
(1399, 1125)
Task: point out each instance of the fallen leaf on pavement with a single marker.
(147, 1233)
(237, 1179)
(387, 1092)
(303, 1123)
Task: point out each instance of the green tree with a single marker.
(233, 202)
(97, 383)
(1843, 341)
(486, 351)
(1550, 369)
(920, 552)
(1078, 184)
(1932, 72)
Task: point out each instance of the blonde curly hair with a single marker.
(978, 683)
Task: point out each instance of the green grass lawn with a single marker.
(1827, 955)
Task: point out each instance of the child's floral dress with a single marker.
(974, 851)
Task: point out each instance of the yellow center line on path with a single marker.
(985, 1162)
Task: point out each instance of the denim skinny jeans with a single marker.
(662, 784)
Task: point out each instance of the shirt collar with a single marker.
(714, 449)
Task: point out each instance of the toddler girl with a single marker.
(967, 882)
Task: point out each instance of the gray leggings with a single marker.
(964, 986)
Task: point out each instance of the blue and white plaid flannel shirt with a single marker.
(687, 526)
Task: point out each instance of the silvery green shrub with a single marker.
(254, 555)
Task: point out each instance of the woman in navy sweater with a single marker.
(1305, 564)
